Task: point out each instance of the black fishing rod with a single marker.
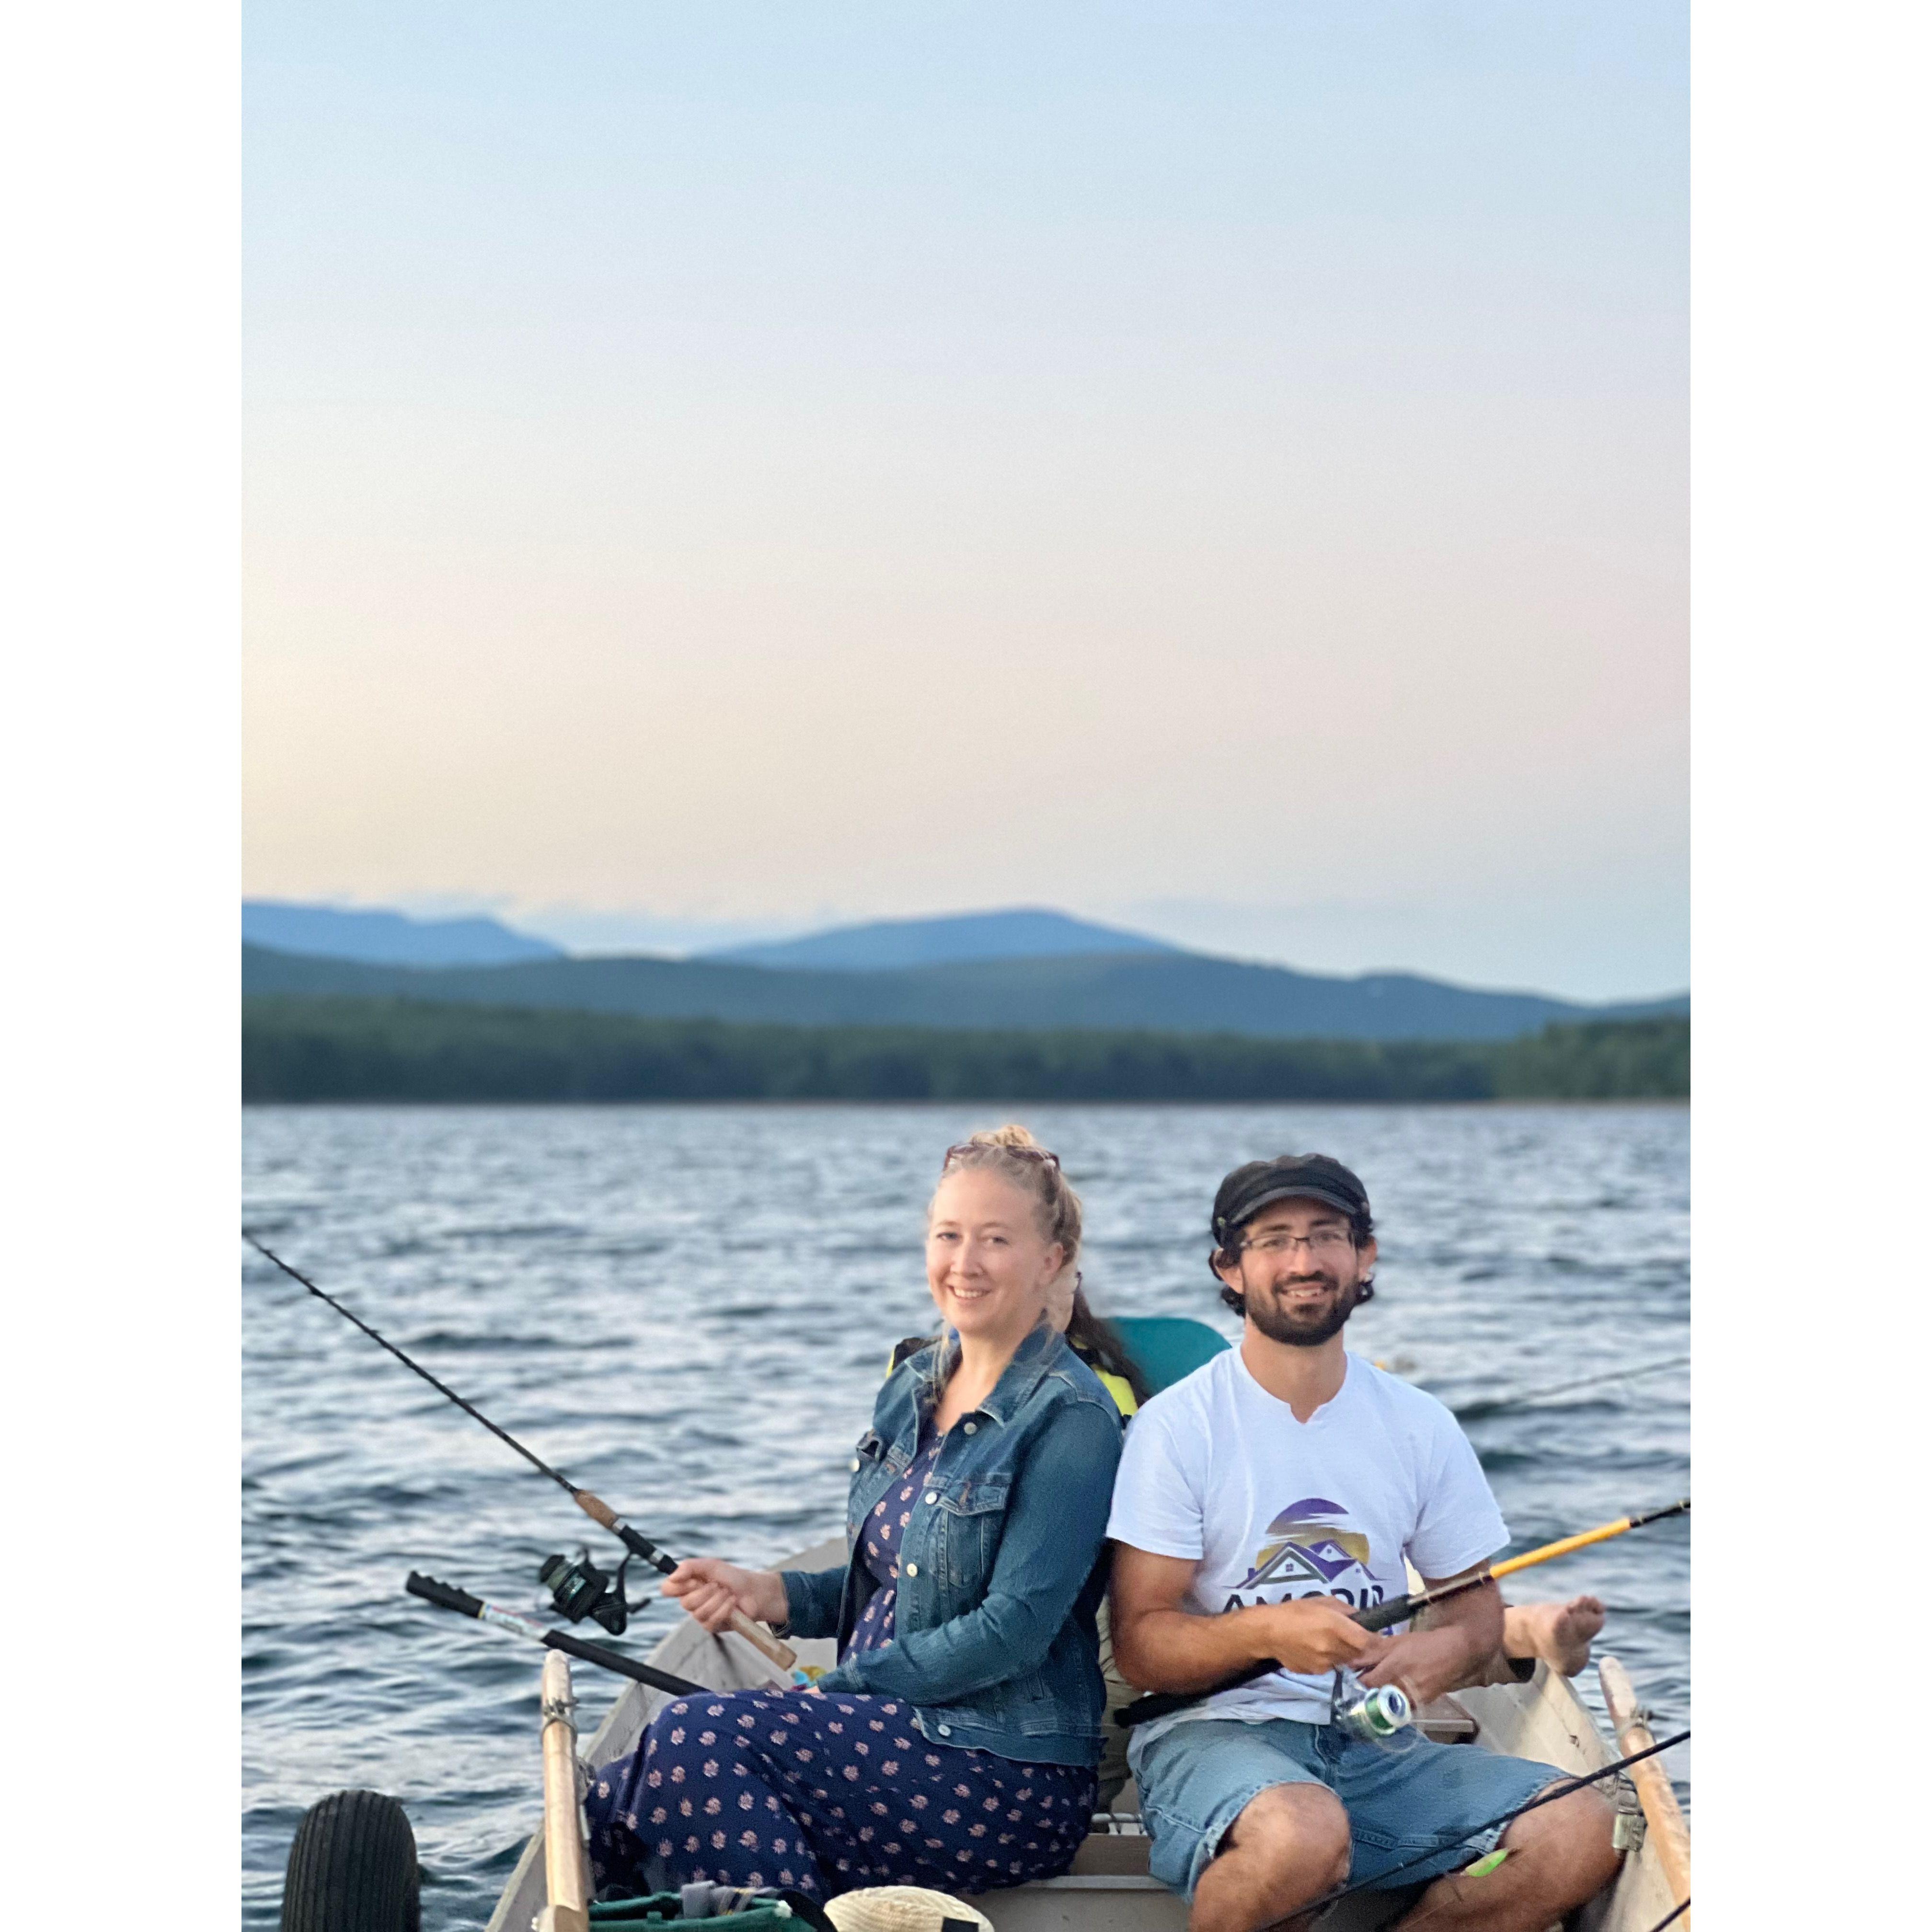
(594, 1507)
(447, 1597)
(1398, 1609)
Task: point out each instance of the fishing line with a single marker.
(594, 1507)
(1470, 1411)
(1563, 1788)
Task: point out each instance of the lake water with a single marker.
(688, 1310)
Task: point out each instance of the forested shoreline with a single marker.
(302, 1048)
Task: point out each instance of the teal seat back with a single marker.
(1166, 1347)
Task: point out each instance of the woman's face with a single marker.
(990, 1269)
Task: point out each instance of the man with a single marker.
(1258, 1501)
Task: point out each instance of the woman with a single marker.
(954, 1743)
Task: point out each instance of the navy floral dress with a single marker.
(885, 1525)
(826, 1793)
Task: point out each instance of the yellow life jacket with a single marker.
(1119, 1388)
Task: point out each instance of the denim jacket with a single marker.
(1000, 1574)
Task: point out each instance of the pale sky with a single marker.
(1220, 469)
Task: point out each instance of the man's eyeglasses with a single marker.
(1323, 1241)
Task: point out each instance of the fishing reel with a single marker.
(579, 1589)
(1379, 1715)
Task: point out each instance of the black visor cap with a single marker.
(1288, 1177)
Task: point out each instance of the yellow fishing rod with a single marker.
(1400, 1609)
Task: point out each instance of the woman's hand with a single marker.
(711, 1589)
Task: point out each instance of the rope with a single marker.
(1549, 1794)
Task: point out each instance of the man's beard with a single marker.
(1298, 1329)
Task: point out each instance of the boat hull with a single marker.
(1109, 1889)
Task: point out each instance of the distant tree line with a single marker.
(302, 1048)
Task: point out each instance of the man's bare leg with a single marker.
(1289, 1845)
(1559, 1633)
(1559, 1855)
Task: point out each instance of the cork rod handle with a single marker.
(780, 1653)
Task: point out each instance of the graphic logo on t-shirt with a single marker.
(1306, 1544)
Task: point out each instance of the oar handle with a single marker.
(780, 1654)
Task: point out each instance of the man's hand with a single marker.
(1313, 1634)
(1459, 1636)
(711, 1589)
(1426, 1663)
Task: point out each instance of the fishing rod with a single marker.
(1398, 1610)
(1470, 1411)
(599, 1511)
(447, 1597)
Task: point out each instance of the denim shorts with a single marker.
(1404, 1800)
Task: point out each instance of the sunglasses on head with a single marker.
(1040, 1154)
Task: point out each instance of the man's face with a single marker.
(1299, 1271)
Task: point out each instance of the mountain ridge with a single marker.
(886, 945)
(1178, 992)
(377, 936)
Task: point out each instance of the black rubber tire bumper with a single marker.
(352, 1868)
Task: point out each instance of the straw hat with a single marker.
(904, 1908)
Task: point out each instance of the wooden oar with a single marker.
(1398, 1609)
(564, 1873)
(1661, 1810)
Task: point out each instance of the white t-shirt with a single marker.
(1217, 1470)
